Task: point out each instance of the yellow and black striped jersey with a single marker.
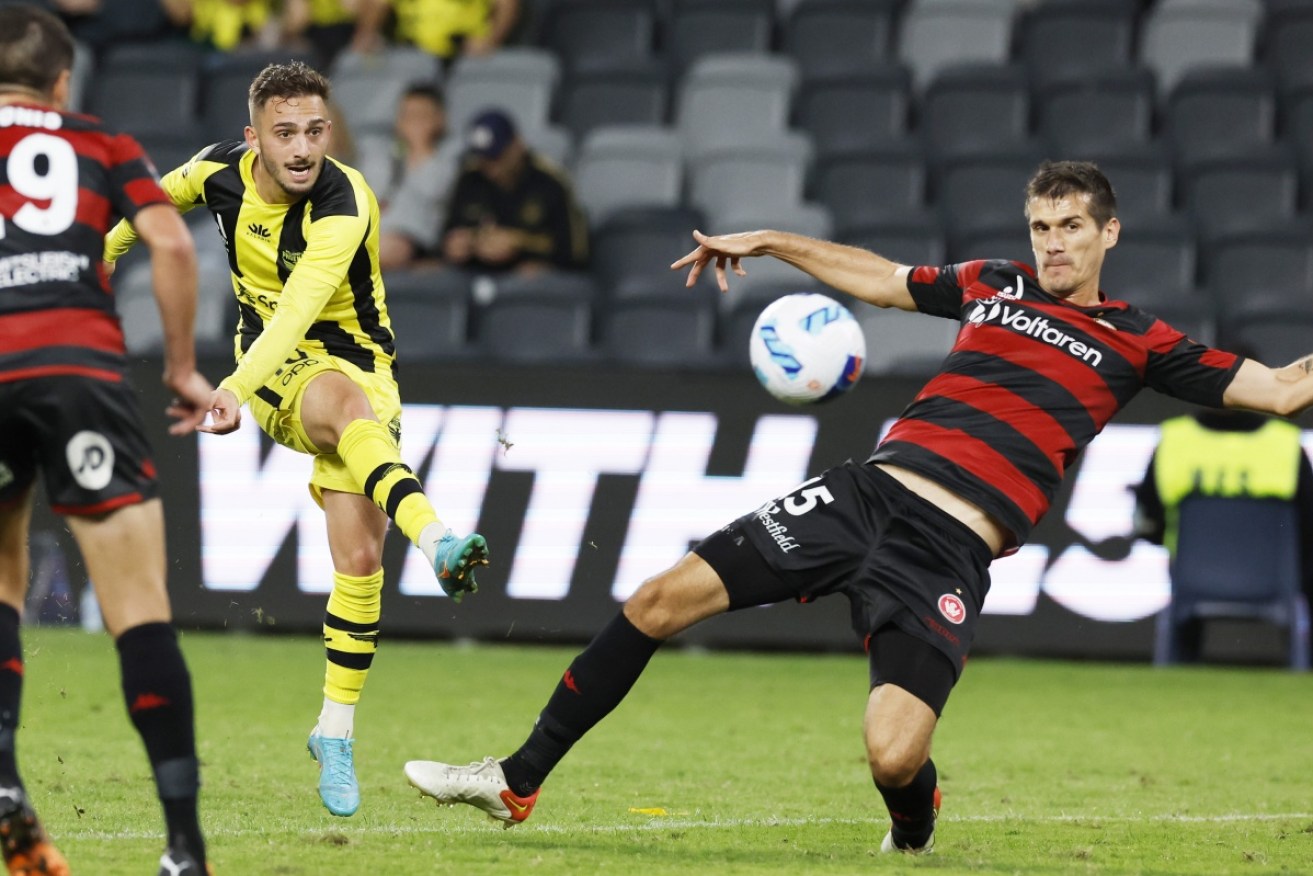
(305, 274)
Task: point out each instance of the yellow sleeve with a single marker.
(185, 187)
(330, 246)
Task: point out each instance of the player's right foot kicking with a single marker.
(481, 784)
(891, 844)
(27, 850)
(455, 560)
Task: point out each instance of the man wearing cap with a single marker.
(511, 209)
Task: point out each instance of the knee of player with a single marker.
(893, 763)
(654, 610)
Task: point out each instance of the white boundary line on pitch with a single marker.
(656, 823)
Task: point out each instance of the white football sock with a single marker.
(337, 720)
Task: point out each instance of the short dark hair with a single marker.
(1058, 179)
(293, 79)
(35, 48)
(427, 90)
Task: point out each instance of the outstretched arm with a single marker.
(1283, 391)
(858, 272)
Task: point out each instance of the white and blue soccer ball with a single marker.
(807, 348)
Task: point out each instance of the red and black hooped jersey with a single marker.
(64, 180)
(1030, 381)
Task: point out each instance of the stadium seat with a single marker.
(825, 36)
(634, 95)
(1071, 40)
(1278, 338)
(867, 187)
(1010, 239)
(1104, 110)
(368, 90)
(696, 28)
(807, 219)
(1220, 111)
(1265, 270)
(1236, 558)
(912, 239)
(731, 100)
(520, 80)
(760, 179)
(1235, 194)
(170, 150)
(984, 192)
(899, 342)
(663, 332)
(593, 35)
(639, 242)
(431, 326)
(974, 108)
(147, 99)
(1142, 178)
(1152, 266)
(947, 32)
(1180, 35)
(535, 329)
(628, 166)
(854, 111)
(1287, 34)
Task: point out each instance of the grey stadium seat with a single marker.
(640, 242)
(975, 108)
(984, 192)
(1070, 40)
(1180, 35)
(1221, 111)
(1235, 194)
(545, 328)
(696, 28)
(840, 35)
(430, 327)
(663, 332)
(913, 239)
(762, 178)
(224, 110)
(628, 166)
(520, 80)
(898, 342)
(1153, 266)
(1104, 110)
(634, 95)
(1274, 265)
(728, 100)
(856, 110)
(868, 187)
(936, 35)
(601, 34)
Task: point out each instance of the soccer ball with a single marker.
(807, 348)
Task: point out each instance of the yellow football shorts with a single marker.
(276, 407)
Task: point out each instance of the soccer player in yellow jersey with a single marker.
(317, 368)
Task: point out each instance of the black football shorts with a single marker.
(855, 530)
(85, 438)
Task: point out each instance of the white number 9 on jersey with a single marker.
(43, 169)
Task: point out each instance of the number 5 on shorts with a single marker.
(806, 497)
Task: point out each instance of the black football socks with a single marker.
(912, 808)
(598, 679)
(11, 693)
(157, 690)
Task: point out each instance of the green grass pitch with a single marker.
(755, 760)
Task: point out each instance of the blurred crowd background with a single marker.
(906, 126)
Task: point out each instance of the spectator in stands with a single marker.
(1223, 453)
(325, 27)
(226, 24)
(511, 209)
(447, 29)
(413, 197)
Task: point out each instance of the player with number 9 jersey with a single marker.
(69, 415)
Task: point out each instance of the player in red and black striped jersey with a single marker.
(69, 416)
(1043, 359)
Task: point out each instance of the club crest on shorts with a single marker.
(952, 608)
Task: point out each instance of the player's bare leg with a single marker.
(594, 684)
(125, 558)
(898, 728)
(23, 842)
